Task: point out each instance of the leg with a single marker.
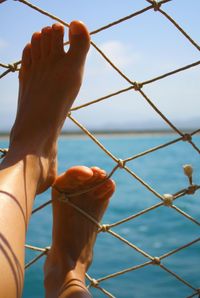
(49, 82)
(73, 234)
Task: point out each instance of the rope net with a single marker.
(167, 200)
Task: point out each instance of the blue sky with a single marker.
(143, 47)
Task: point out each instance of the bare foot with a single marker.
(49, 82)
(73, 234)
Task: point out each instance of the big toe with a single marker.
(73, 177)
(26, 56)
(79, 42)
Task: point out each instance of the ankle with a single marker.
(39, 145)
(40, 169)
(63, 265)
(61, 278)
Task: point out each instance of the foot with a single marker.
(49, 80)
(74, 235)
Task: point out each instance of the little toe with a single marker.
(57, 46)
(36, 46)
(98, 175)
(99, 199)
(26, 57)
(105, 190)
(46, 41)
(98, 172)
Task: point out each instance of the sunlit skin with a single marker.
(73, 235)
(49, 81)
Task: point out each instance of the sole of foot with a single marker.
(74, 234)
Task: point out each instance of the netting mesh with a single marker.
(167, 200)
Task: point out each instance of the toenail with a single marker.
(57, 26)
(103, 175)
(36, 35)
(46, 29)
(76, 29)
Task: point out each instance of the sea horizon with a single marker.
(102, 132)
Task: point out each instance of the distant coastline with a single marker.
(5, 134)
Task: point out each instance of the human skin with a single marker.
(49, 81)
(74, 235)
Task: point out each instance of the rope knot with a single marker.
(94, 283)
(47, 248)
(187, 137)
(137, 86)
(3, 152)
(13, 67)
(192, 189)
(156, 261)
(155, 4)
(168, 199)
(121, 163)
(104, 228)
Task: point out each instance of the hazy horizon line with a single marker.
(119, 131)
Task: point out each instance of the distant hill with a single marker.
(146, 125)
(137, 126)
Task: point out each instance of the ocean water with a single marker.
(156, 232)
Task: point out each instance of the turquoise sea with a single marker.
(156, 232)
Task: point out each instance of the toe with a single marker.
(46, 41)
(100, 199)
(98, 174)
(105, 190)
(80, 173)
(73, 178)
(98, 171)
(26, 56)
(79, 42)
(57, 47)
(36, 46)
